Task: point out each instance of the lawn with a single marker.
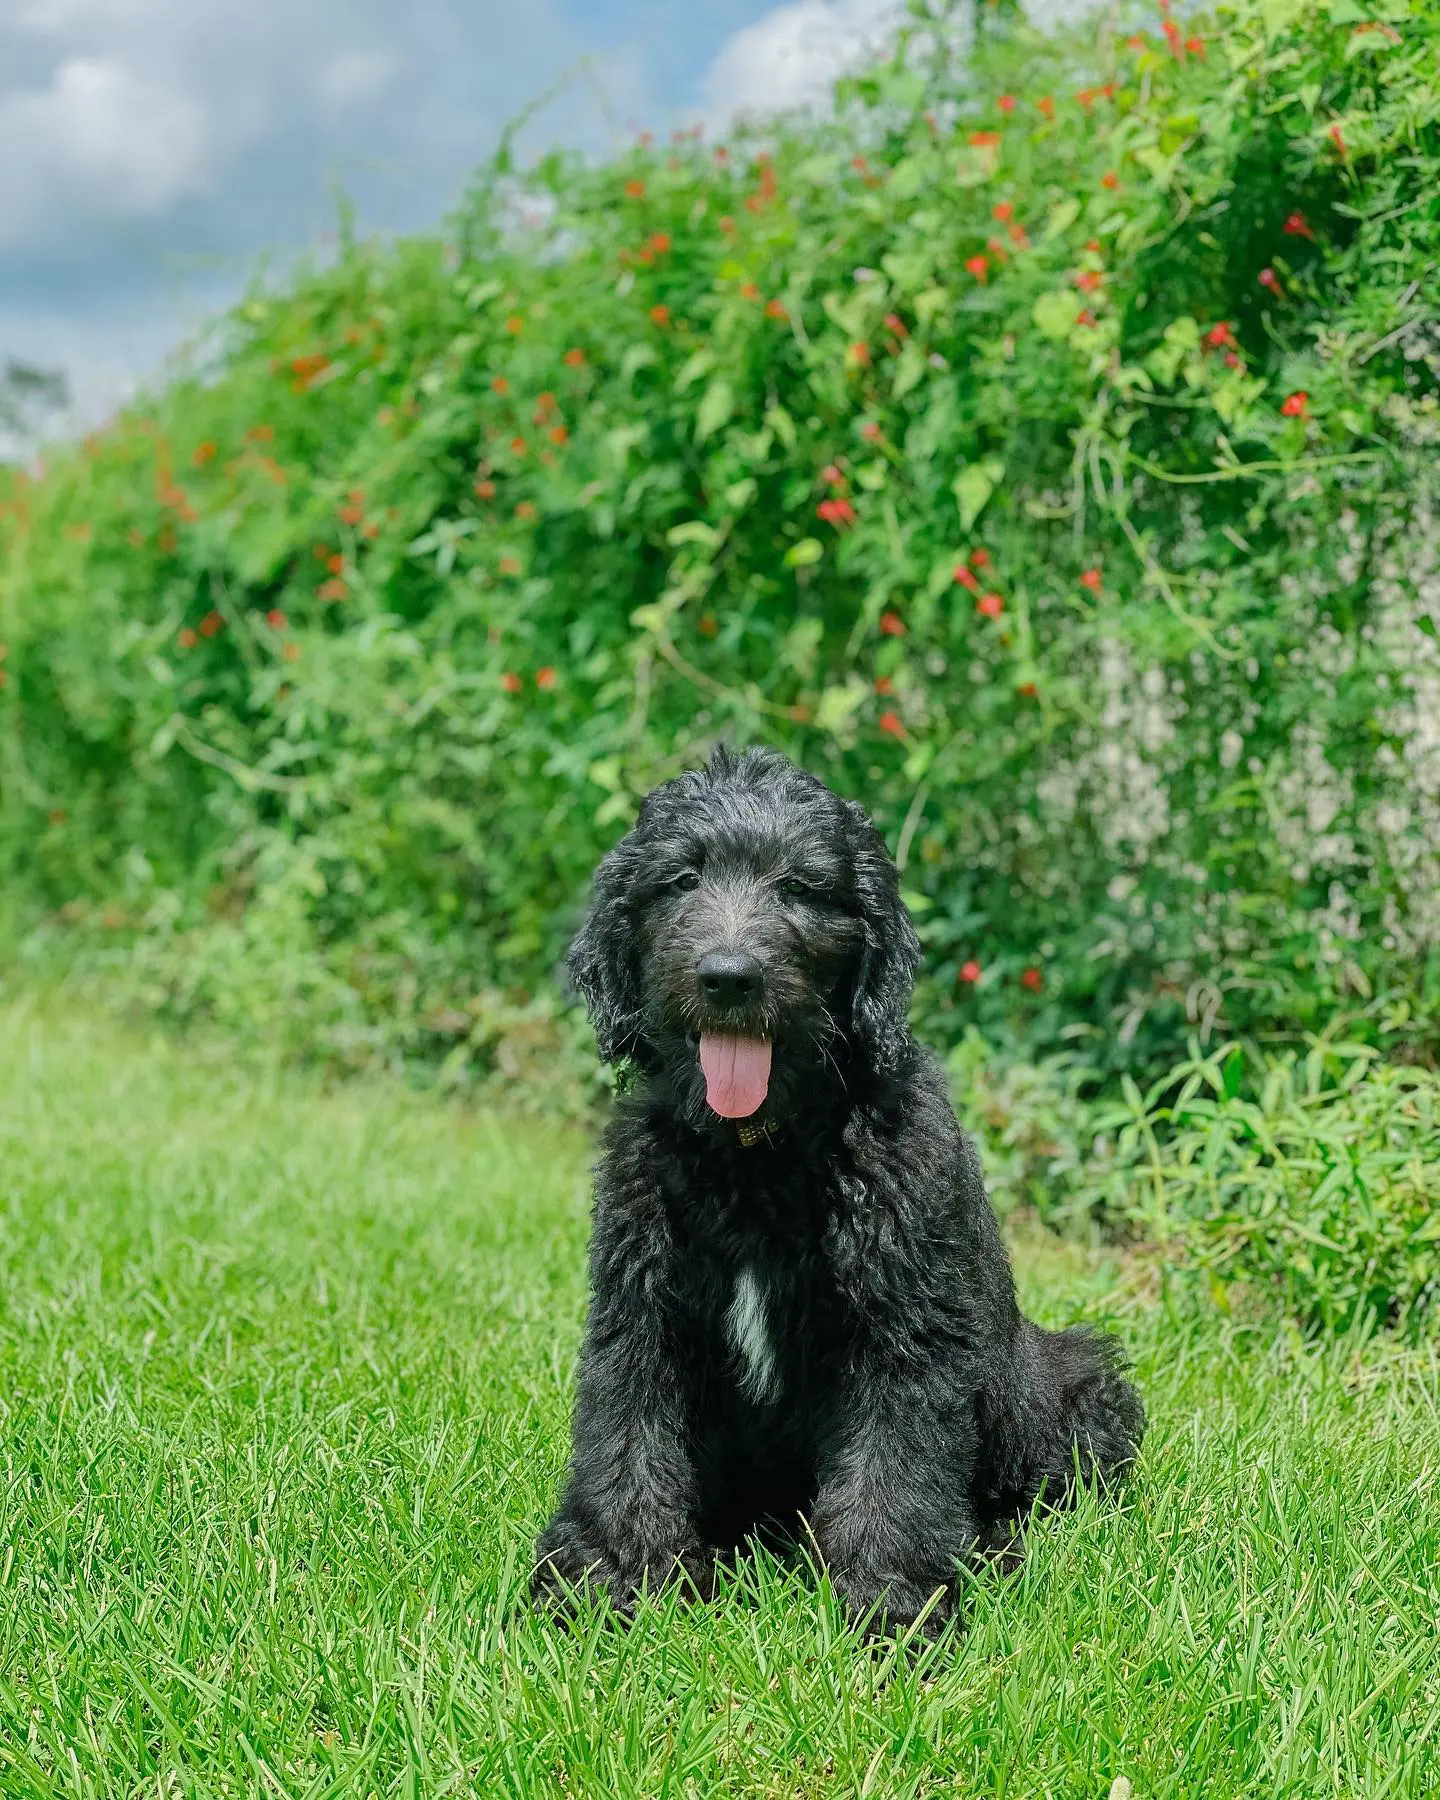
(284, 1381)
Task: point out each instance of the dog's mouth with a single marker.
(737, 1072)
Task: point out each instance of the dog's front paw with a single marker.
(885, 1606)
(569, 1560)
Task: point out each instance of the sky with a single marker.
(153, 152)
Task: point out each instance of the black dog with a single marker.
(801, 1308)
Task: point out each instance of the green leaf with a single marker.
(800, 556)
(973, 486)
(701, 363)
(1423, 622)
(715, 409)
(782, 425)
(1062, 216)
(693, 531)
(838, 705)
(1055, 314)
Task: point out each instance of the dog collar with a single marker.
(750, 1135)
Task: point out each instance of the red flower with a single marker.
(859, 355)
(1003, 211)
(969, 972)
(276, 619)
(1220, 337)
(1019, 236)
(660, 315)
(707, 625)
(187, 639)
(660, 242)
(545, 678)
(334, 589)
(210, 624)
(749, 291)
(966, 578)
(1337, 138)
(1136, 41)
(1028, 690)
(485, 490)
(1232, 361)
(1110, 179)
(1033, 980)
(978, 266)
(500, 385)
(1172, 38)
(634, 190)
(1296, 225)
(1295, 405)
(836, 512)
(514, 324)
(575, 358)
(775, 309)
(203, 453)
(871, 432)
(1085, 317)
(893, 322)
(859, 164)
(1089, 280)
(559, 435)
(511, 683)
(1006, 103)
(980, 559)
(1091, 579)
(526, 513)
(990, 605)
(1046, 106)
(1269, 279)
(1196, 47)
(291, 653)
(833, 475)
(892, 624)
(984, 140)
(335, 564)
(518, 446)
(884, 685)
(891, 722)
(725, 222)
(509, 565)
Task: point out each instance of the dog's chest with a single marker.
(748, 1327)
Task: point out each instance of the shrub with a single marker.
(1041, 449)
(1325, 1192)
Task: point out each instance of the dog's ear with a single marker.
(602, 960)
(891, 953)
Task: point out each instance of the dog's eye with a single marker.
(687, 880)
(796, 888)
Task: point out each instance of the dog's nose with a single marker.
(729, 977)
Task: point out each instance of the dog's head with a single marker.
(748, 937)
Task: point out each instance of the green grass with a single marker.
(283, 1398)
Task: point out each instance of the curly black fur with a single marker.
(822, 1327)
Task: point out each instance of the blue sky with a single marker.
(152, 150)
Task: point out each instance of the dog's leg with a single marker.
(628, 1516)
(893, 1515)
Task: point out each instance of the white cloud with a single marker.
(792, 56)
(355, 76)
(98, 140)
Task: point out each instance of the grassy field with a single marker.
(283, 1398)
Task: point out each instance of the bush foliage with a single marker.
(1040, 448)
(1313, 1180)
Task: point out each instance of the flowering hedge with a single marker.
(1041, 449)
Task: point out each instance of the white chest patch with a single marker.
(745, 1322)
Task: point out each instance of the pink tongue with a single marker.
(737, 1072)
